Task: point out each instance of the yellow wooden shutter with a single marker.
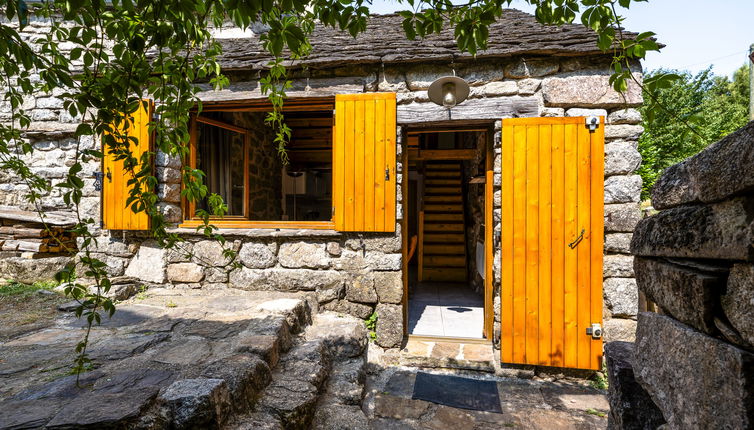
(115, 214)
(364, 148)
(552, 191)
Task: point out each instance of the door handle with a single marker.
(578, 240)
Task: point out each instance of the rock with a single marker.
(389, 244)
(522, 68)
(631, 407)
(217, 274)
(361, 289)
(162, 159)
(209, 253)
(624, 116)
(27, 414)
(552, 112)
(169, 192)
(721, 170)
(303, 255)
(738, 302)
(113, 410)
(625, 132)
(389, 286)
(245, 375)
(621, 158)
(167, 175)
(340, 417)
(618, 242)
(588, 91)
(618, 266)
(527, 87)
(622, 189)
(377, 260)
(619, 329)
(346, 382)
(586, 112)
(622, 218)
(170, 212)
(500, 88)
(389, 325)
(196, 403)
(185, 272)
(719, 231)
(621, 296)
(333, 248)
(286, 279)
(697, 381)
(148, 264)
(344, 306)
(257, 255)
(344, 335)
(28, 271)
(688, 292)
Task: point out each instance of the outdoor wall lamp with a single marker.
(448, 91)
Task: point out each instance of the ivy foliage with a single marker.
(102, 58)
(697, 110)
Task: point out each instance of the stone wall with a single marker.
(695, 260)
(500, 88)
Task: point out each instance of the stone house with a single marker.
(506, 218)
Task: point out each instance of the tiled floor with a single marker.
(445, 309)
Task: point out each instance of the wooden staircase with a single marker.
(442, 238)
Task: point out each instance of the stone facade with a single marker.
(361, 273)
(695, 260)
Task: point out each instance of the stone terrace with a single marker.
(185, 359)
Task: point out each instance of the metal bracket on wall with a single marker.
(592, 122)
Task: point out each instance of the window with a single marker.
(238, 155)
(341, 170)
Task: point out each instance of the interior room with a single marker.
(242, 164)
(445, 218)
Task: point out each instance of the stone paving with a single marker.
(525, 404)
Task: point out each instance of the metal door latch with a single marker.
(595, 331)
(592, 122)
(98, 177)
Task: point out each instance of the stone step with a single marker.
(324, 372)
(448, 354)
(174, 358)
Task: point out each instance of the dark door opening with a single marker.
(445, 214)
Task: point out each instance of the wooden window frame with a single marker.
(242, 221)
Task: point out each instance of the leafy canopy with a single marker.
(697, 110)
(103, 57)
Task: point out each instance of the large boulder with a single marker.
(622, 217)
(686, 290)
(304, 255)
(697, 381)
(738, 302)
(389, 325)
(148, 264)
(621, 296)
(718, 231)
(722, 170)
(588, 91)
(28, 270)
(631, 408)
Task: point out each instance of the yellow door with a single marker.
(551, 241)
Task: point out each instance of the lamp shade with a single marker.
(448, 91)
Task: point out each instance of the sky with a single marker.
(698, 33)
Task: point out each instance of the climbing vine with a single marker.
(103, 58)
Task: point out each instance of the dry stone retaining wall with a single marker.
(695, 260)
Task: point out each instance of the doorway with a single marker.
(447, 245)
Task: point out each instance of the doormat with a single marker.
(457, 392)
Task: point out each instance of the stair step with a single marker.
(444, 261)
(458, 199)
(432, 217)
(438, 207)
(444, 174)
(443, 238)
(445, 249)
(430, 226)
(446, 354)
(432, 191)
(444, 274)
(442, 166)
(431, 182)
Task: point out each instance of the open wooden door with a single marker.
(552, 241)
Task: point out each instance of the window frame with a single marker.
(190, 220)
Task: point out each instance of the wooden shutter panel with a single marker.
(364, 148)
(552, 191)
(115, 214)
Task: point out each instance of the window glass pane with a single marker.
(221, 157)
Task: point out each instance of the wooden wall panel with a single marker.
(552, 190)
(115, 188)
(364, 164)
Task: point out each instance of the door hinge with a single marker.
(595, 331)
(387, 173)
(98, 179)
(333, 211)
(592, 122)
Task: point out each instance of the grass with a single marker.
(599, 380)
(596, 412)
(24, 309)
